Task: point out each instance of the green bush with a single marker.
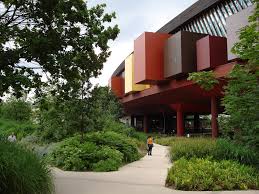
(166, 141)
(20, 128)
(226, 150)
(205, 174)
(22, 172)
(116, 141)
(71, 154)
(192, 147)
(220, 149)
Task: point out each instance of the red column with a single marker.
(145, 124)
(180, 122)
(214, 116)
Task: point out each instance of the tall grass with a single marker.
(219, 149)
(22, 172)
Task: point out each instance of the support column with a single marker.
(214, 117)
(145, 124)
(180, 122)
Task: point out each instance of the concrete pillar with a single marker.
(214, 117)
(145, 123)
(180, 122)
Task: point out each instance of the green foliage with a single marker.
(205, 79)
(192, 147)
(248, 46)
(59, 118)
(17, 110)
(219, 149)
(241, 102)
(242, 92)
(66, 39)
(20, 129)
(117, 141)
(166, 141)
(227, 150)
(22, 172)
(205, 174)
(72, 154)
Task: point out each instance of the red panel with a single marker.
(211, 52)
(117, 86)
(149, 58)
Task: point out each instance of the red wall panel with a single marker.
(117, 86)
(211, 52)
(149, 58)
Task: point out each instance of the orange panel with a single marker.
(149, 58)
(117, 86)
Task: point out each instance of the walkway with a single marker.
(146, 176)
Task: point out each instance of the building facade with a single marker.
(152, 81)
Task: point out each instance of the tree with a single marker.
(241, 99)
(18, 110)
(66, 40)
(59, 118)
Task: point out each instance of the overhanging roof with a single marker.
(194, 10)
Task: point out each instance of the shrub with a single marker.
(21, 129)
(72, 154)
(204, 174)
(22, 172)
(109, 159)
(117, 141)
(230, 151)
(192, 147)
(166, 141)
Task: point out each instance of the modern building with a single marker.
(152, 81)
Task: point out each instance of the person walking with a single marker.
(149, 145)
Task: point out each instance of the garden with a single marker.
(47, 137)
(207, 164)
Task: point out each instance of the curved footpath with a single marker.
(146, 176)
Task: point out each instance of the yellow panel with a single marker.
(129, 79)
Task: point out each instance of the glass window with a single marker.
(193, 30)
(207, 25)
(203, 25)
(199, 27)
(229, 11)
(189, 28)
(215, 25)
(195, 27)
(248, 2)
(232, 6)
(243, 3)
(221, 16)
(238, 5)
(219, 23)
(224, 10)
(211, 25)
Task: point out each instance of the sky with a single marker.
(133, 18)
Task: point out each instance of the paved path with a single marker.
(146, 176)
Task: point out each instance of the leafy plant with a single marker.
(242, 92)
(206, 174)
(72, 154)
(205, 79)
(22, 172)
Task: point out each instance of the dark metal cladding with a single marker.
(180, 53)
